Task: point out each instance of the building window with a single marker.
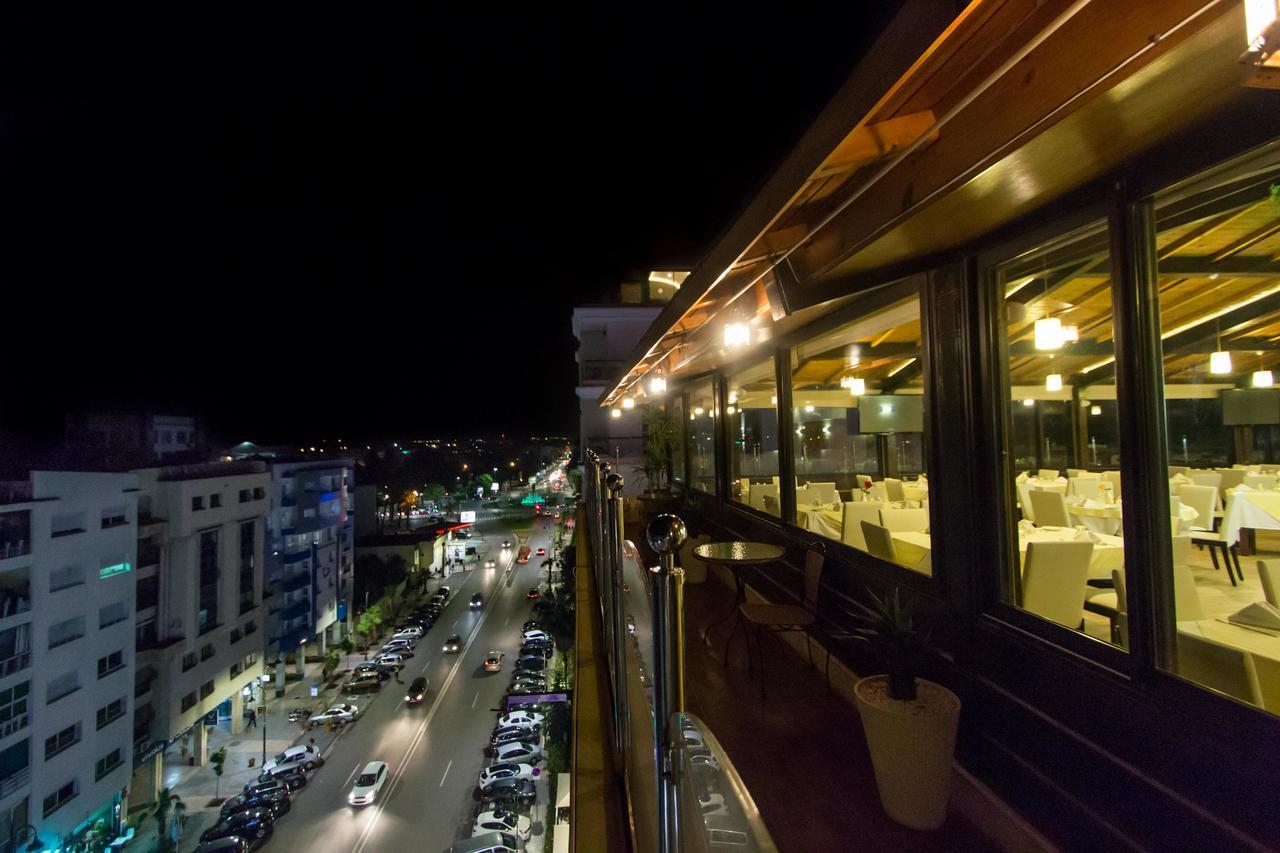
(309, 512)
(15, 708)
(207, 612)
(206, 689)
(63, 740)
(703, 414)
(61, 797)
(108, 714)
(259, 493)
(236, 635)
(106, 764)
(206, 651)
(250, 627)
(188, 702)
(66, 631)
(1216, 243)
(752, 416)
(197, 503)
(245, 496)
(113, 613)
(65, 577)
(62, 686)
(15, 534)
(248, 550)
(858, 431)
(215, 501)
(236, 669)
(188, 661)
(147, 592)
(114, 517)
(182, 436)
(111, 663)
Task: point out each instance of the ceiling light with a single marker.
(886, 408)
(628, 403)
(736, 335)
(1053, 382)
(616, 413)
(733, 396)
(699, 411)
(1220, 363)
(809, 409)
(1049, 333)
(1259, 15)
(1095, 410)
(858, 387)
(1262, 379)
(1028, 402)
(1070, 334)
(774, 399)
(658, 385)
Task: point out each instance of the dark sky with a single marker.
(366, 224)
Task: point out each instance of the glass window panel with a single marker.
(1218, 264)
(677, 435)
(1063, 436)
(703, 414)
(858, 436)
(752, 414)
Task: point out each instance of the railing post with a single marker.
(666, 534)
(617, 618)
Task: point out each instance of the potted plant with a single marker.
(659, 446)
(910, 723)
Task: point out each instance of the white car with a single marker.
(368, 784)
(337, 714)
(535, 634)
(501, 821)
(305, 757)
(517, 751)
(413, 632)
(494, 772)
(398, 643)
(389, 660)
(518, 718)
(396, 649)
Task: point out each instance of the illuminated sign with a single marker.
(467, 516)
(113, 569)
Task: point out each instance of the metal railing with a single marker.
(683, 792)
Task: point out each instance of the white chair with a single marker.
(1054, 580)
(877, 492)
(772, 506)
(825, 492)
(854, 515)
(1024, 500)
(1260, 481)
(905, 520)
(1202, 498)
(1113, 604)
(1175, 514)
(1223, 668)
(1050, 509)
(803, 497)
(893, 489)
(1113, 477)
(1175, 470)
(758, 491)
(879, 542)
(1269, 574)
(1047, 474)
(1073, 473)
(1085, 487)
(1089, 475)
(1207, 478)
(1231, 477)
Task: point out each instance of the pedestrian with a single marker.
(397, 674)
(313, 744)
(253, 718)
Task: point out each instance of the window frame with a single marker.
(725, 435)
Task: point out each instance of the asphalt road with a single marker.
(436, 749)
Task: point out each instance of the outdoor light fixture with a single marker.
(1053, 382)
(1096, 410)
(1220, 363)
(1262, 43)
(736, 335)
(1028, 402)
(616, 413)
(1049, 333)
(628, 403)
(658, 385)
(1262, 379)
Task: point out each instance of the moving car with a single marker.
(507, 734)
(363, 683)
(302, 756)
(531, 594)
(505, 771)
(452, 643)
(515, 791)
(522, 556)
(518, 750)
(490, 564)
(277, 803)
(501, 820)
(253, 826)
(477, 601)
(368, 784)
(339, 714)
(520, 718)
(493, 663)
(542, 552)
(506, 543)
(416, 691)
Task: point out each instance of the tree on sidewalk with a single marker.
(368, 625)
(165, 802)
(219, 761)
(331, 663)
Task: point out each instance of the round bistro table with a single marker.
(740, 558)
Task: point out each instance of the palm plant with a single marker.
(165, 802)
(888, 626)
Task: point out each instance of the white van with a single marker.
(490, 842)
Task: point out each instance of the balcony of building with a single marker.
(15, 592)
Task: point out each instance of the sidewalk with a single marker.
(197, 786)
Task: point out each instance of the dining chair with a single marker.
(1072, 473)
(772, 506)
(1260, 481)
(1088, 487)
(1047, 474)
(1175, 470)
(1050, 509)
(1231, 477)
(758, 491)
(1206, 478)
(1269, 574)
(1053, 580)
(905, 520)
(1219, 667)
(695, 570)
(1202, 498)
(893, 489)
(1113, 477)
(852, 518)
(877, 492)
(1113, 604)
(784, 618)
(826, 492)
(879, 542)
(1089, 475)
(1024, 501)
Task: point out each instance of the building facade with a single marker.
(200, 624)
(67, 574)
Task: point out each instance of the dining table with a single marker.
(1108, 517)
(914, 550)
(740, 559)
(1250, 509)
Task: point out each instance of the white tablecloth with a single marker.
(1255, 509)
(915, 549)
(1107, 519)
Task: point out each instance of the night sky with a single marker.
(376, 226)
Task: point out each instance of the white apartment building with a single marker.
(310, 557)
(199, 592)
(67, 573)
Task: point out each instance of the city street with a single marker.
(435, 750)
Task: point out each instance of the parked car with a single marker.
(506, 734)
(505, 771)
(278, 803)
(269, 788)
(291, 777)
(518, 718)
(532, 663)
(493, 662)
(339, 714)
(532, 625)
(254, 826)
(534, 634)
(527, 688)
(452, 643)
(540, 650)
(400, 646)
(444, 590)
(408, 632)
(477, 600)
(501, 820)
(514, 791)
(368, 784)
(230, 844)
(390, 659)
(529, 753)
(371, 668)
(303, 756)
(416, 691)
(363, 684)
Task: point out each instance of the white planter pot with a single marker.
(912, 745)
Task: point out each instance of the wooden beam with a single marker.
(1248, 240)
(872, 142)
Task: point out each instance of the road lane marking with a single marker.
(352, 776)
(507, 621)
(446, 772)
(475, 698)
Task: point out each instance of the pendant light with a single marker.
(1261, 377)
(1220, 361)
(1053, 382)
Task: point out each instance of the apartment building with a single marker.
(199, 592)
(310, 555)
(67, 573)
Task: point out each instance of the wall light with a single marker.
(1049, 333)
(699, 411)
(736, 335)
(774, 399)
(1220, 363)
(628, 403)
(730, 410)
(1053, 382)
(616, 413)
(1028, 402)
(886, 408)
(1095, 410)
(658, 385)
